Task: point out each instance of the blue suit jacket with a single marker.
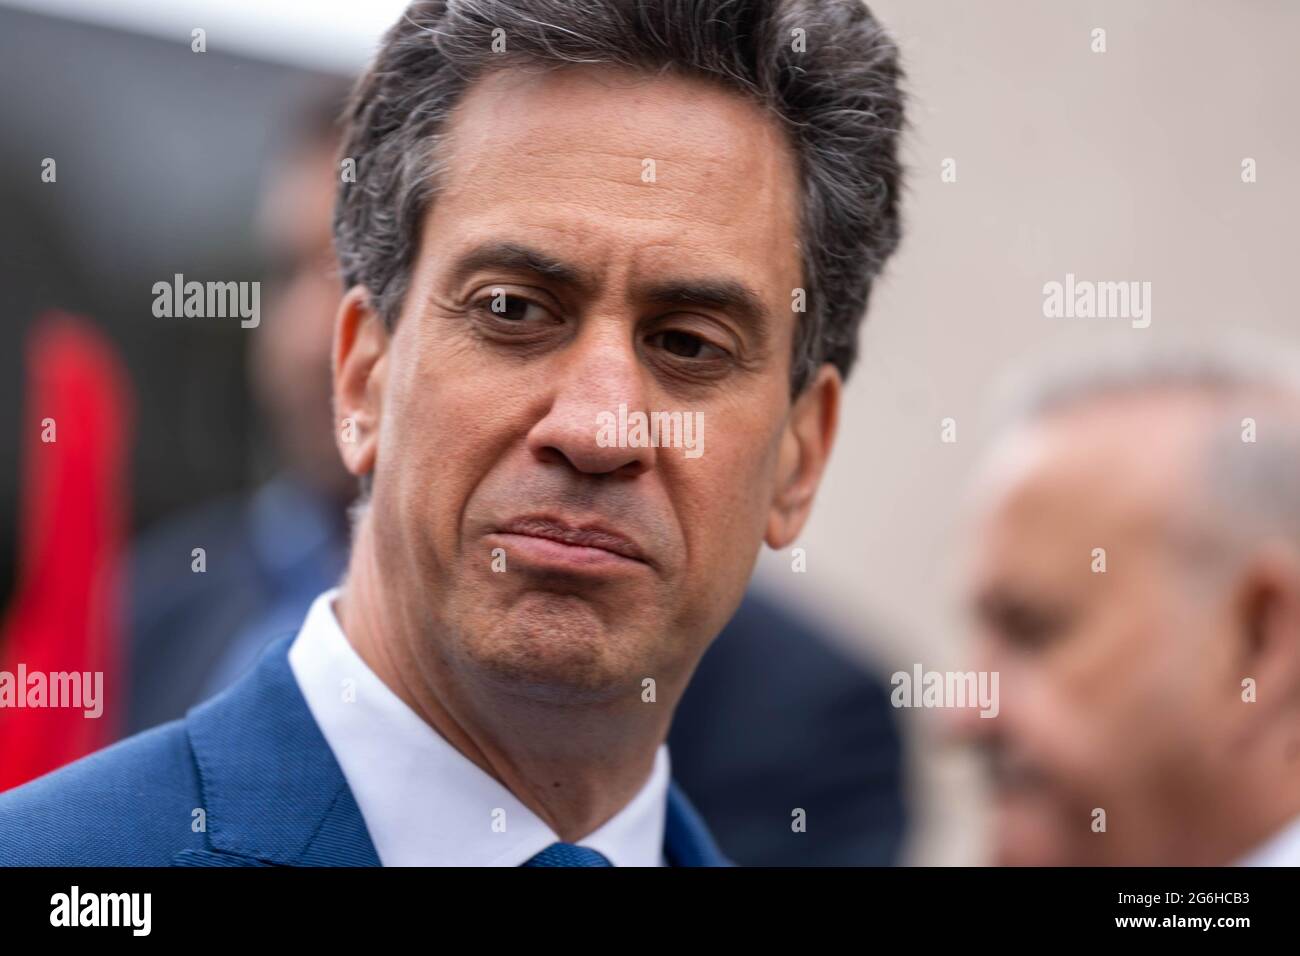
(254, 761)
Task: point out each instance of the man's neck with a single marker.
(1274, 811)
(575, 767)
(1250, 804)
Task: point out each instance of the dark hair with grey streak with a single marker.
(838, 100)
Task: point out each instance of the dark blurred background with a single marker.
(154, 178)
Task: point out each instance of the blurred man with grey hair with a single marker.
(1135, 580)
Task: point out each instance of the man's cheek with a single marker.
(1051, 729)
(436, 423)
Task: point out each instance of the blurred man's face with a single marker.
(291, 350)
(1114, 685)
(586, 206)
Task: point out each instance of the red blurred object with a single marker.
(66, 614)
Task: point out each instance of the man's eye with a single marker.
(686, 345)
(1031, 630)
(512, 308)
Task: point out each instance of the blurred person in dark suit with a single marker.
(265, 556)
(775, 719)
(1135, 581)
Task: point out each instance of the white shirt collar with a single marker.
(424, 802)
(1281, 849)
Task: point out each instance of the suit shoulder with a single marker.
(130, 804)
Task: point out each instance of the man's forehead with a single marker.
(298, 201)
(635, 108)
(1113, 467)
(635, 143)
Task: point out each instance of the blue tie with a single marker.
(567, 854)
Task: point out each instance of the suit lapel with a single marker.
(687, 841)
(273, 792)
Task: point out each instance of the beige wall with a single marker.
(1123, 165)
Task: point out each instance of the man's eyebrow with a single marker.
(517, 257)
(728, 295)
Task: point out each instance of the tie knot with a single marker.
(568, 854)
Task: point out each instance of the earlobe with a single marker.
(801, 461)
(360, 345)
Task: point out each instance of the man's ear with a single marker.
(360, 347)
(1267, 615)
(805, 449)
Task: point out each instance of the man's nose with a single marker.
(966, 725)
(599, 385)
(976, 723)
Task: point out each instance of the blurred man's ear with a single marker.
(360, 347)
(805, 449)
(1267, 617)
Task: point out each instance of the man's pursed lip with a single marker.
(551, 541)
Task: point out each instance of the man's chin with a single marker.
(1029, 834)
(557, 647)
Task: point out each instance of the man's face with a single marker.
(637, 238)
(1112, 682)
(291, 348)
